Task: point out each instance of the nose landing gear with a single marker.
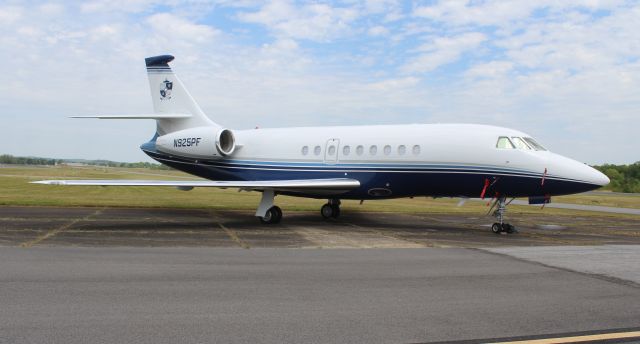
(501, 226)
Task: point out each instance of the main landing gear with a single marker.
(273, 215)
(331, 209)
(268, 213)
(501, 226)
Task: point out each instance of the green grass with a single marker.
(15, 190)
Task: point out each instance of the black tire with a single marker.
(267, 218)
(336, 211)
(326, 211)
(278, 213)
(509, 228)
(496, 228)
(273, 215)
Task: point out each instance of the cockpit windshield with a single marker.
(520, 144)
(534, 144)
(504, 143)
(515, 142)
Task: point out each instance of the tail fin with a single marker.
(171, 97)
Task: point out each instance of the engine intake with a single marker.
(225, 142)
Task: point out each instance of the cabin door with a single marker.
(331, 151)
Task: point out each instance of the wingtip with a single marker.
(46, 182)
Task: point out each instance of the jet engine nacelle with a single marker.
(200, 142)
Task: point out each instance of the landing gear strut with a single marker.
(501, 226)
(331, 209)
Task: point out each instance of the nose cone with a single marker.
(596, 177)
(579, 177)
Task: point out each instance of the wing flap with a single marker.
(336, 184)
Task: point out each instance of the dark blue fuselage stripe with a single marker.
(366, 168)
(403, 183)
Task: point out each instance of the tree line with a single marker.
(624, 178)
(19, 160)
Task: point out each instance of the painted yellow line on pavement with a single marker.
(55, 231)
(234, 236)
(578, 339)
(230, 232)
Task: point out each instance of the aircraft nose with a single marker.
(572, 169)
(597, 177)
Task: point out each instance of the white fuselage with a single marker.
(430, 150)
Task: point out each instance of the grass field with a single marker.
(16, 190)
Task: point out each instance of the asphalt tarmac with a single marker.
(76, 275)
(50, 226)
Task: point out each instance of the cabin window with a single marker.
(415, 150)
(402, 150)
(359, 150)
(305, 150)
(534, 144)
(346, 150)
(519, 143)
(317, 150)
(373, 150)
(332, 150)
(387, 150)
(504, 143)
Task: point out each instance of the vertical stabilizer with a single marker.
(169, 96)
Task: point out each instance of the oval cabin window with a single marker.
(387, 150)
(373, 150)
(332, 150)
(416, 150)
(402, 149)
(305, 150)
(346, 150)
(359, 150)
(316, 150)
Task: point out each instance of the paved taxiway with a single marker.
(139, 277)
(43, 226)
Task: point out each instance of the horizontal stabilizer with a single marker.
(337, 184)
(140, 116)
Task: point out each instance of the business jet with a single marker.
(348, 162)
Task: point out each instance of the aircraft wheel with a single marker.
(509, 228)
(273, 215)
(496, 228)
(327, 211)
(336, 211)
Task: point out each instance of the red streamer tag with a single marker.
(484, 189)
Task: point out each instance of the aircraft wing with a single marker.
(301, 185)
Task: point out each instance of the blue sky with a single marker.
(567, 72)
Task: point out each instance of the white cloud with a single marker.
(443, 50)
(491, 70)
(117, 5)
(378, 30)
(500, 12)
(393, 84)
(318, 21)
(180, 29)
(51, 9)
(10, 15)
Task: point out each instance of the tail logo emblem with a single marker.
(165, 89)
